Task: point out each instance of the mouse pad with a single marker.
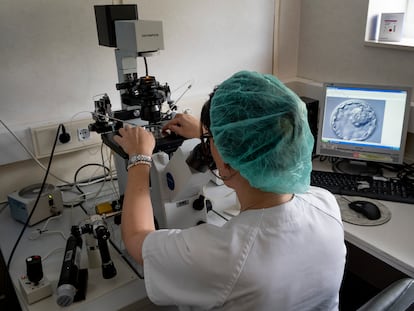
(355, 218)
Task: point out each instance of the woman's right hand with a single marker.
(184, 125)
(135, 140)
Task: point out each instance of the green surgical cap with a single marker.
(260, 128)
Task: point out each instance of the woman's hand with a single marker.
(135, 140)
(184, 125)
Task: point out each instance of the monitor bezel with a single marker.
(373, 150)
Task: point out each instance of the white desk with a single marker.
(126, 290)
(391, 242)
(111, 294)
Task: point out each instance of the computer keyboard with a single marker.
(364, 186)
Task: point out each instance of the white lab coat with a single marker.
(288, 257)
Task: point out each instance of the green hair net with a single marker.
(260, 128)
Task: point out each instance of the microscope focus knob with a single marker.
(198, 203)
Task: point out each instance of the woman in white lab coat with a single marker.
(284, 251)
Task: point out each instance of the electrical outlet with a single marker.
(80, 138)
(83, 134)
(35, 292)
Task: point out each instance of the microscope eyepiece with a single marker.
(200, 159)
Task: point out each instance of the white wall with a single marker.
(52, 66)
(332, 47)
(330, 35)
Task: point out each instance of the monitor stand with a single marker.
(356, 167)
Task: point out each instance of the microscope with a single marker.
(176, 186)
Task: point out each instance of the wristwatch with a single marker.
(139, 159)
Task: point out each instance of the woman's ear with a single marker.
(228, 167)
(228, 172)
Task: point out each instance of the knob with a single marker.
(198, 203)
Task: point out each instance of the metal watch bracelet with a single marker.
(139, 159)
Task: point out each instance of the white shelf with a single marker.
(405, 44)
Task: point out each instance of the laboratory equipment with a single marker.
(144, 101)
(176, 187)
(34, 285)
(72, 280)
(22, 202)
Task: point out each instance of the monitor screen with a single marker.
(363, 122)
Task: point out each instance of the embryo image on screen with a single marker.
(354, 119)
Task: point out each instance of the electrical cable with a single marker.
(91, 180)
(146, 66)
(37, 198)
(35, 234)
(72, 119)
(71, 204)
(81, 168)
(218, 214)
(47, 169)
(64, 137)
(96, 194)
(31, 153)
(406, 174)
(87, 182)
(116, 192)
(74, 202)
(58, 249)
(109, 174)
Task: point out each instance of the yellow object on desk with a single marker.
(103, 208)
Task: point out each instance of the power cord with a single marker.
(31, 153)
(107, 174)
(35, 234)
(37, 199)
(82, 167)
(64, 137)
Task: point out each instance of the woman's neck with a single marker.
(253, 198)
(257, 199)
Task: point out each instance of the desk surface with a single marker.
(390, 242)
(125, 291)
(111, 294)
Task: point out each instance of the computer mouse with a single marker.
(366, 208)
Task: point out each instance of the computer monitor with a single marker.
(364, 123)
